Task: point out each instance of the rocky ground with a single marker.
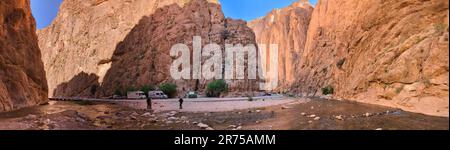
(296, 114)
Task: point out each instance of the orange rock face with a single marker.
(288, 28)
(124, 44)
(392, 53)
(84, 35)
(22, 76)
(143, 58)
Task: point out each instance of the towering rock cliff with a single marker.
(96, 46)
(22, 76)
(288, 28)
(144, 55)
(393, 53)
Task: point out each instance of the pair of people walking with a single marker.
(149, 103)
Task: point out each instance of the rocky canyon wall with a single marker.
(288, 28)
(392, 53)
(96, 46)
(144, 56)
(22, 75)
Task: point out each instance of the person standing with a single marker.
(181, 103)
(149, 103)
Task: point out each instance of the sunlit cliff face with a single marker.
(288, 28)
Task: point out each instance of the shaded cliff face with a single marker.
(288, 28)
(392, 53)
(126, 44)
(22, 76)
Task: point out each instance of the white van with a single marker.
(136, 95)
(157, 95)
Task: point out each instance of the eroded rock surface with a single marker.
(127, 43)
(392, 53)
(288, 28)
(22, 75)
(144, 56)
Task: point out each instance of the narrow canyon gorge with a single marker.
(390, 53)
(363, 51)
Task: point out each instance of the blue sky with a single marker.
(46, 10)
(252, 9)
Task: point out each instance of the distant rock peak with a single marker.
(301, 4)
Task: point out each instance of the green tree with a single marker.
(327, 90)
(118, 91)
(169, 89)
(147, 88)
(216, 87)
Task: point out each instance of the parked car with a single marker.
(264, 93)
(136, 95)
(192, 94)
(157, 95)
(267, 94)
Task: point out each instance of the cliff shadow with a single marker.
(81, 85)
